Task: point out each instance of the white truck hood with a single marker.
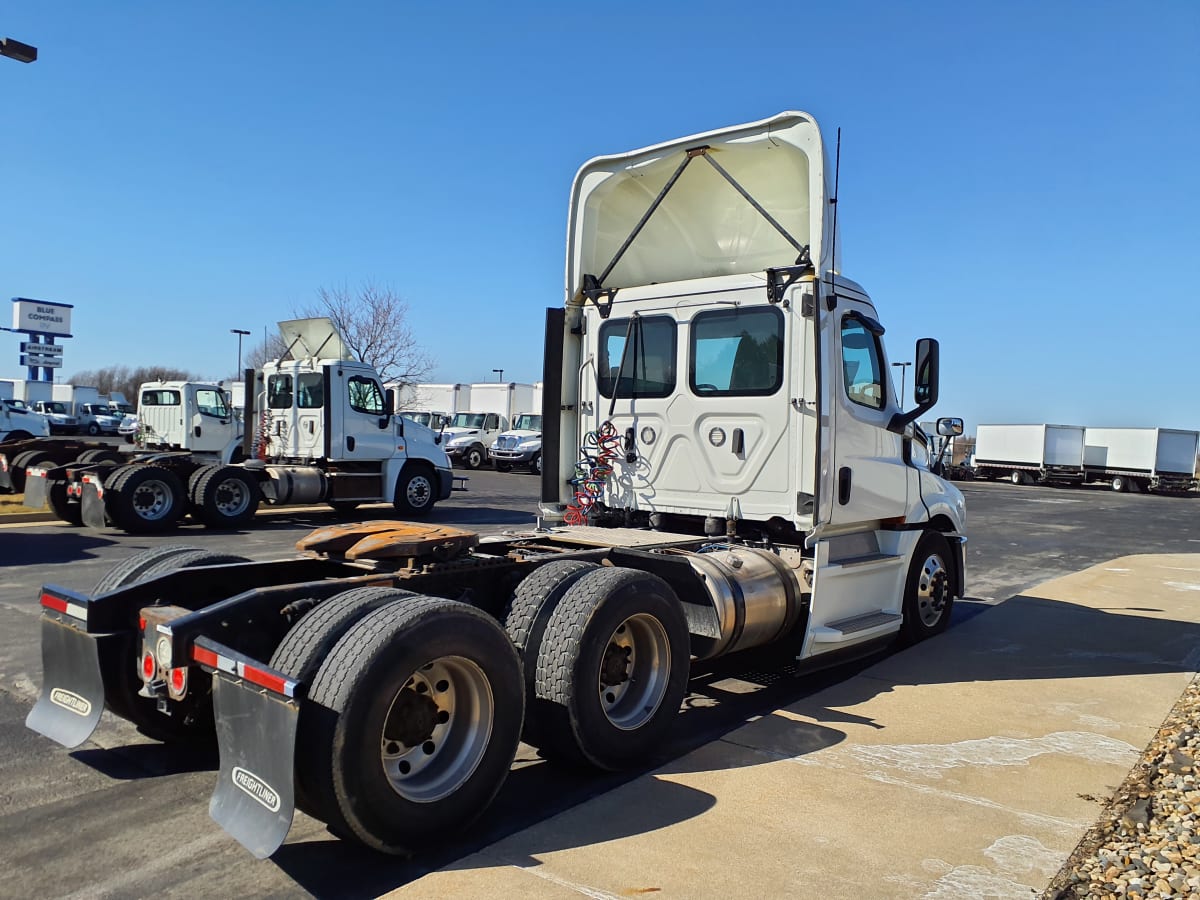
(704, 227)
(522, 434)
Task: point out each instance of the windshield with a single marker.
(16, 404)
(528, 423)
(469, 420)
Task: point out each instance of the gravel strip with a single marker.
(1147, 842)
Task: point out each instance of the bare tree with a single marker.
(271, 347)
(374, 323)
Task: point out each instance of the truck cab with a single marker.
(98, 418)
(187, 415)
(470, 434)
(59, 417)
(18, 421)
(521, 445)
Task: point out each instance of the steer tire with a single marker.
(585, 717)
(309, 641)
(416, 491)
(225, 496)
(474, 456)
(191, 721)
(56, 499)
(525, 618)
(928, 589)
(411, 724)
(535, 464)
(148, 499)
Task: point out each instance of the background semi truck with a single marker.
(321, 431)
(1027, 453)
(1161, 459)
(727, 466)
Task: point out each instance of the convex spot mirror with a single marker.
(948, 427)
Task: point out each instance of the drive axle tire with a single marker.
(412, 723)
(191, 721)
(1017, 478)
(612, 669)
(415, 491)
(99, 455)
(309, 641)
(344, 507)
(20, 463)
(149, 499)
(56, 499)
(1120, 484)
(525, 618)
(225, 496)
(928, 589)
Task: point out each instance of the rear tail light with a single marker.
(148, 666)
(178, 682)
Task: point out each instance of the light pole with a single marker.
(239, 332)
(18, 51)
(499, 373)
(903, 366)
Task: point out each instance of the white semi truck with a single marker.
(321, 431)
(1024, 454)
(726, 466)
(1149, 459)
(19, 423)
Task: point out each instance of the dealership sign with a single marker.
(41, 317)
(41, 349)
(45, 362)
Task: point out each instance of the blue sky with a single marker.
(1020, 180)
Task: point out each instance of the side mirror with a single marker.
(389, 401)
(925, 385)
(948, 427)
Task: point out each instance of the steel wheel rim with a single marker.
(932, 586)
(446, 708)
(418, 491)
(153, 499)
(232, 497)
(634, 671)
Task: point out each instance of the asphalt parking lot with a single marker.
(136, 812)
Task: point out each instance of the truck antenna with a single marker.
(837, 172)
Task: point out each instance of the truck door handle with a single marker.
(350, 442)
(739, 442)
(844, 479)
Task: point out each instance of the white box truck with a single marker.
(729, 468)
(1157, 459)
(1024, 454)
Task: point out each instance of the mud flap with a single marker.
(93, 506)
(36, 490)
(72, 697)
(254, 799)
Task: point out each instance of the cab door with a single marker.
(368, 431)
(209, 419)
(864, 475)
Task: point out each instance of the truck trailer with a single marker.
(1149, 459)
(726, 466)
(1024, 454)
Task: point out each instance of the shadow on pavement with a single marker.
(49, 546)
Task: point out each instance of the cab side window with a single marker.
(365, 395)
(279, 392)
(211, 403)
(862, 364)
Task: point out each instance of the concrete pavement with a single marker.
(967, 766)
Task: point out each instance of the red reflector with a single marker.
(264, 679)
(141, 623)
(148, 666)
(54, 603)
(178, 679)
(204, 657)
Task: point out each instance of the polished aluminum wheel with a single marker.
(933, 589)
(153, 499)
(634, 671)
(437, 729)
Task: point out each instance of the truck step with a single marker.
(856, 627)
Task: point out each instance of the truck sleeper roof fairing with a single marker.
(703, 225)
(314, 338)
